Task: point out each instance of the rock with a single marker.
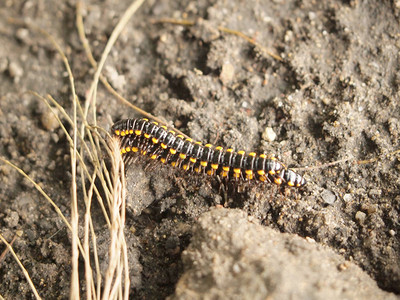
(232, 258)
(269, 135)
(15, 71)
(328, 197)
(227, 73)
(360, 217)
(49, 120)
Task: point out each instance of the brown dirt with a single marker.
(334, 96)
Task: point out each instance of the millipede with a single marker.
(148, 138)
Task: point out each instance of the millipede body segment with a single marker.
(141, 136)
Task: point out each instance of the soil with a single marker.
(333, 97)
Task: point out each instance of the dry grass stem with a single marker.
(17, 234)
(118, 265)
(225, 30)
(26, 274)
(86, 148)
(88, 51)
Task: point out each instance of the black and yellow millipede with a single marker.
(148, 138)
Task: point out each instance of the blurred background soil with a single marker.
(334, 96)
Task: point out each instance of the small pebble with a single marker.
(55, 137)
(51, 166)
(269, 135)
(375, 193)
(163, 96)
(164, 38)
(132, 229)
(368, 208)
(227, 73)
(328, 197)
(360, 217)
(15, 71)
(310, 240)
(312, 15)
(118, 81)
(343, 266)
(178, 124)
(198, 72)
(392, 232)
(49, 121)
(236, 268)
(288, 36)
(5, 170)
(347, 197)
(22, 34)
